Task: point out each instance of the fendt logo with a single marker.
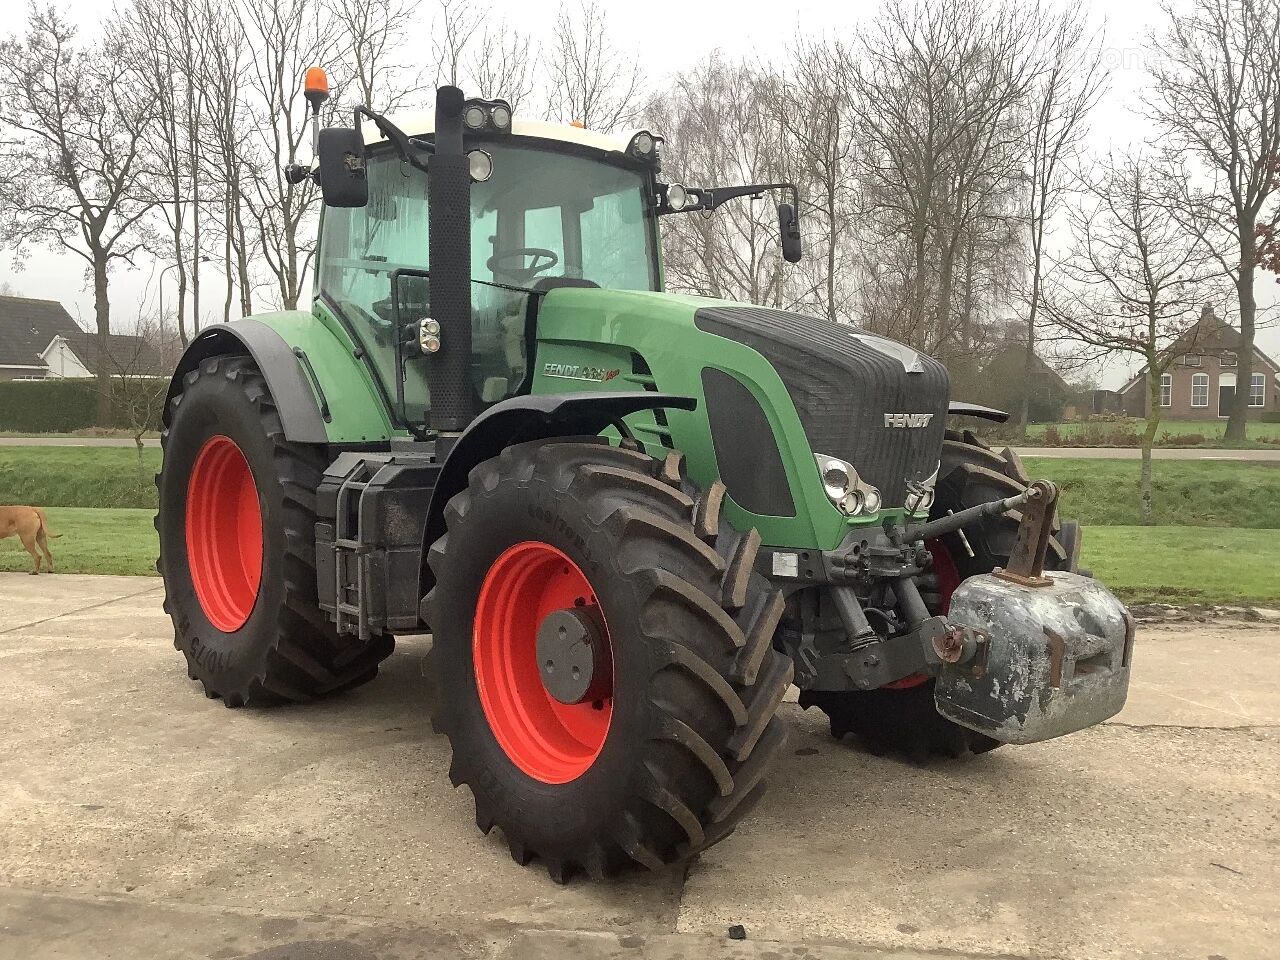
(907, 420)
(574, 371)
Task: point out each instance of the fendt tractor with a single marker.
(630, 520)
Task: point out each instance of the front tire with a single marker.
(237, 547)
(669, 748)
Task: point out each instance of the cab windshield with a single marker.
(543, 215)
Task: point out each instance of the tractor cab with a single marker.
(557, 206)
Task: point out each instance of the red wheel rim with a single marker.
(552, 742)
(224, 534)
(944, 568)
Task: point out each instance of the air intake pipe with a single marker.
(449, 244)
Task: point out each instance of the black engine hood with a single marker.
(871, 401)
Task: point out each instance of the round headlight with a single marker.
(852, 504)
(871, 500)
(677, 197)
(501, 117)
(643, 143)
(481, 165)
(474, 117)
(835, 479)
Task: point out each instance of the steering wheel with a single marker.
(525, 273)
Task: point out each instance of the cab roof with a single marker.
(422, 123)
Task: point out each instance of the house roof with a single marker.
(28, 326)
(126, 355)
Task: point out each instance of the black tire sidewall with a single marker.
(560, 817)
(215, 405)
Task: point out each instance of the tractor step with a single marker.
(371, 510)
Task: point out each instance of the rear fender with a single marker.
(524, 418)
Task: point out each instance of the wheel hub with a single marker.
(572, 657)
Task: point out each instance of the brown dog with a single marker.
(32, 527)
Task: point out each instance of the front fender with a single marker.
(524, 418)
(295, 400)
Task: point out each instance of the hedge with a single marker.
(55, 406)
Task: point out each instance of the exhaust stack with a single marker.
(449, 240)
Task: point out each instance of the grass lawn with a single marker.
(1214, 493)
(1186, 564)
(1212, 543)
(79, 476)
(1211, 430)
(93, 541)
(1166, 564)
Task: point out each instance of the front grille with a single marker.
(843, 381)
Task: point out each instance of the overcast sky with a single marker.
(669, 37)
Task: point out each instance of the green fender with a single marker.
(322, 390)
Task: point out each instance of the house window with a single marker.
(1193, 360)
(1257, 391)
(1200, 390)
(1166, 390)
(1228, 359)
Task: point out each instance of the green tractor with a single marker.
(630, 520)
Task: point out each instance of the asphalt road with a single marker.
(138, 819)
(1088, 453)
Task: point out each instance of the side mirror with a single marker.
(789, 228)
(343, 180)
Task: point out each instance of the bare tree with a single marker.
(1134, 282)
(74, 122)
(1216, 73)
(286, 37)
(375, 49)
(161, 41)
(504, 65)
(820, 144)
(589, 80)
(1070, 83)
(937, 94)
(721, 121)
(452, 31)
(138, 366)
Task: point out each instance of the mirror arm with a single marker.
(409, 149)
(718, 195)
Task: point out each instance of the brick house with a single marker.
(1201, 383)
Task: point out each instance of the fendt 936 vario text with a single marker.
(629, 519)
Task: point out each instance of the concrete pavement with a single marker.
(138, 819)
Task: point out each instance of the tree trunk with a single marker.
(942, 308)
(1029, 361)
(1145, 512)
(1237, 423)
(102, 316)
(195, 254)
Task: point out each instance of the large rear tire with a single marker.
(237, 547)
(669, 748)
(903, 718)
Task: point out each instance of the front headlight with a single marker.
(837, 477)
(845, 489)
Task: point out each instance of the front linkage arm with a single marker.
(929, 642)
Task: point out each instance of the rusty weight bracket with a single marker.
(1026, 562)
